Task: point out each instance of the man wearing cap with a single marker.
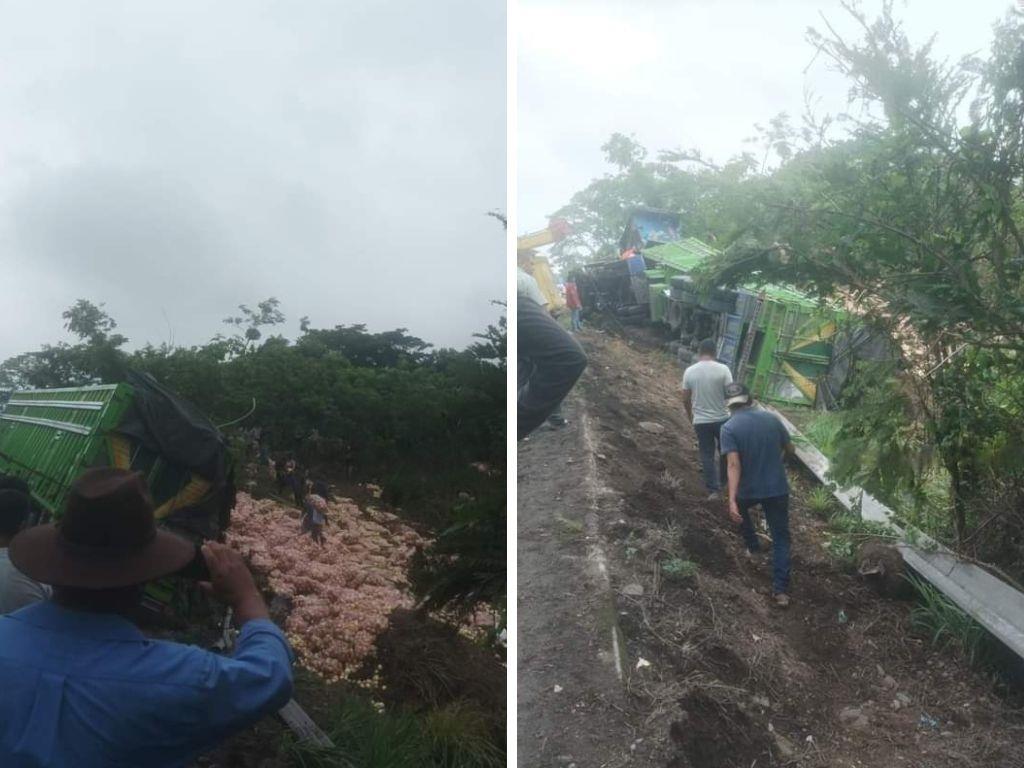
(82, 685)
(754, 443)
(16, 589)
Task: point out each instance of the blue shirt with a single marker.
(759, 438)
(88, 689)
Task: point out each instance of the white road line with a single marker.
(596, 557)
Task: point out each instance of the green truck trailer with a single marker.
(48, 437)
(778, 341)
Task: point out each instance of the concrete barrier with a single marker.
(996, 605)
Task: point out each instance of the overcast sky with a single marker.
(175, 159)
(682, 74)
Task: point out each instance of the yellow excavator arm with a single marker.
(538, 266)
(557, 229)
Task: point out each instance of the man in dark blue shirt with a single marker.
(754, 443)
(83, 686)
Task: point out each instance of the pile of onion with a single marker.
(341, 593)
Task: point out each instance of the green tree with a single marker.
(96, 358)
(389, 349)
(249, 322)
(914, 217)
(90, 322)
(707, 196)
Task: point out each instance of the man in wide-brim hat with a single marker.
(82, 685)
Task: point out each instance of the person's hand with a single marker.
(232, 582)
(734, 512)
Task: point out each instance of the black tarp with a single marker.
(181, 435)
(173, 428)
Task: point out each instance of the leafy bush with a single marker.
(677, 569)
(847, 531)
(375, 403)
(853, 525)
(466, 565)
(841, 548)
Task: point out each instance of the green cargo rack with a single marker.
(789, 340)
(48, 436)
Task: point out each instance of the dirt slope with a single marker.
(563, 626)
(837, 680)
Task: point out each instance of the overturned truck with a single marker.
(788, 348)
(48, 437)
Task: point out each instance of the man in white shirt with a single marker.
(704, 385)
(16, 589)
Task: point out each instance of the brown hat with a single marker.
(107, 537)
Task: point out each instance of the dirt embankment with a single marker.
(716, 675)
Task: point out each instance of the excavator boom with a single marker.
(557, 229)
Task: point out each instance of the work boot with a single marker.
(781, 599)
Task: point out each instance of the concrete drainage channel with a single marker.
(597, 561)
(990, 601)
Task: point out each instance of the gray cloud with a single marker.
(682, 74)
(174, 160)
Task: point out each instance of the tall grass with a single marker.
(820, 501)
(823, 431)
(454, 736)
(459, 736)
(945, 625)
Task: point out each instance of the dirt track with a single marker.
(564, 624)
(730, 681)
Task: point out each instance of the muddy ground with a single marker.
(715, 676)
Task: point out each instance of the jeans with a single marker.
(575, 316)
(550, 361)
(776, 512)
(708, 440)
